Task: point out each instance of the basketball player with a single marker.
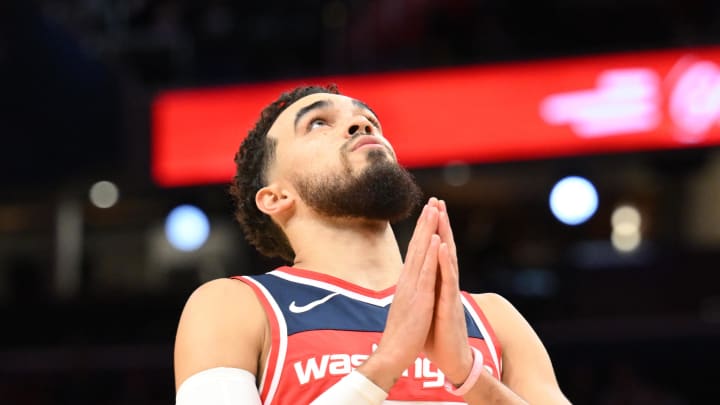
(350, 322)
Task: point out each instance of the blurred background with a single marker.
(624, 293)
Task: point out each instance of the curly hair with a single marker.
(252, 161)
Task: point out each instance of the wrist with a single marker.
(458, 375)
(354, 388)
(381, 370)
(475, 371)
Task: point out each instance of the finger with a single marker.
(419, 233)
(420, 242)
(448, 273)
(412, 244)
(425, 231)
(446, 234)
(428, 272)
(442, 206)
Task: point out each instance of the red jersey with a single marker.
(323, 328)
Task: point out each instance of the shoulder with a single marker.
(527, 368)
(494, 306)
(507, 322)
(223, 297)
(219, 301)
(222, 325)
(221, 291)
(490, 298)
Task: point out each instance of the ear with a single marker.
(273, 200)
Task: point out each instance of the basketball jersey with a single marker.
(323, 328)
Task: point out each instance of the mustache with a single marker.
(345, 147)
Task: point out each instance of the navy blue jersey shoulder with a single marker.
(299, 304)
(307, 307)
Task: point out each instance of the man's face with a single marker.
(330, 147)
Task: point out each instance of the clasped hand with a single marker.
(427, 313)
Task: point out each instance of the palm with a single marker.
(447, 342)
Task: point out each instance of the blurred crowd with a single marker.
(78, 78)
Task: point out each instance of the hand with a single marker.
(447, 343)
(411, 311)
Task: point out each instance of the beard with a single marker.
(382, 191)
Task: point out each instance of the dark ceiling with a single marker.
(77, 76)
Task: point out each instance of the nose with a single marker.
(360, 126)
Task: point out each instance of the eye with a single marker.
(316, 123)
(373, 121)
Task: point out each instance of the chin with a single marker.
(380, 155)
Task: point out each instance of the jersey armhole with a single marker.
(271, 371)
(481, 315)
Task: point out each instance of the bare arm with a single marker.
(527, 368)
(222, 338)
(222, 325)
(411, 311)
(528, 375)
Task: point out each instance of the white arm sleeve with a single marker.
(234, 386)
(354, 388)
(219, 386)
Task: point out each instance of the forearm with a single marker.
(489, 390)
(219, 386)
(355, 388)
(368, 385)
(383, 371)
(229, 386)
(480, 387)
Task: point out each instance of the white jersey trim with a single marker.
(486, 335)
(282, 350)
(380, 302)
(385, 301)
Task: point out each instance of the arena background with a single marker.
(90, 297)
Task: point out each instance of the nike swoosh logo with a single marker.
(310, 305)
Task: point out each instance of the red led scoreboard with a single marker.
(474, 114)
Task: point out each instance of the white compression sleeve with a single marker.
(354, 388)
(219, 386)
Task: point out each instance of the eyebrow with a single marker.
(360, 104)
(325, 104)
(314, 106)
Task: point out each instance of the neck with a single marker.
(361, 252)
